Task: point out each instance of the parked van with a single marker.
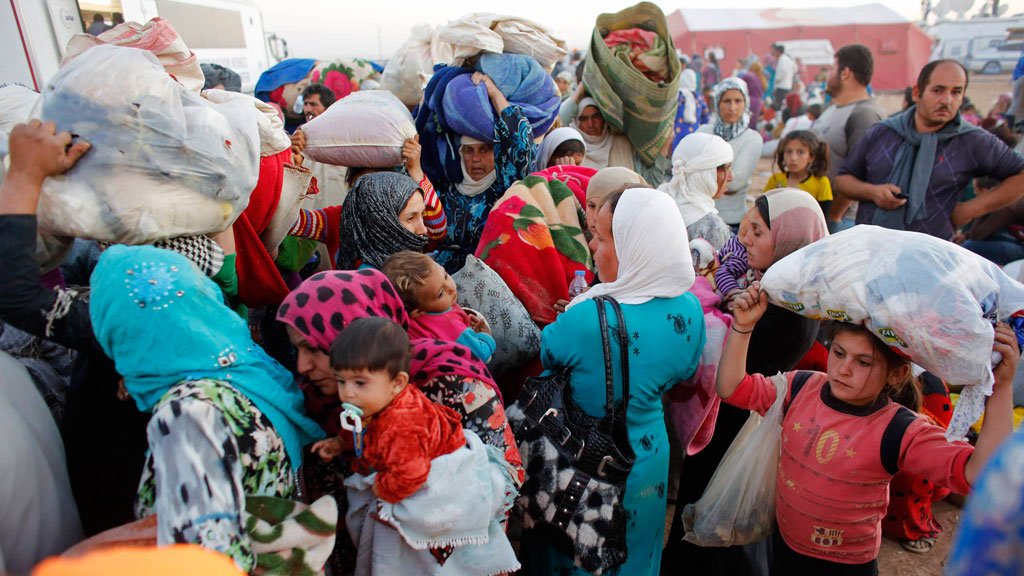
(971, 41)
(34, 33)
(999, 58)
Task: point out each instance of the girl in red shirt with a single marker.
(843, 439)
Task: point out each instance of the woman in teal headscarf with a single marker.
(227, 419)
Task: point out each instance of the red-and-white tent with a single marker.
(900, 47)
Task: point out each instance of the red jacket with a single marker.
(403, 438)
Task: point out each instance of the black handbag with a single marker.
(576, 464)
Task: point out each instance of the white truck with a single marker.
(980, 44)
(33, 33)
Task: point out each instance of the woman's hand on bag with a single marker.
(37, 150)
(563, 161)
(748, 307)
(411, 152)
(493, 92)
(298, 141)
(1006, 344)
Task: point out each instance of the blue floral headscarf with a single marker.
(725, 130)
(162, 322)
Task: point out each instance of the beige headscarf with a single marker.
(653, 250)
(796, 220)
(608, 180)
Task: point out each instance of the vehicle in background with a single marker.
(999, 58)
(33, 33)
(977, 43)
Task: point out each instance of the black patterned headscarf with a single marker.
(370, 230)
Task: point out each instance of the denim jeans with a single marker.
(1000, 251)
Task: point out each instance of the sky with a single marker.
(375, 29)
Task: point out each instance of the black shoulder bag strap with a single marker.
(609, 407)
(801, 378)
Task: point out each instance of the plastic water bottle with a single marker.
(578, 285)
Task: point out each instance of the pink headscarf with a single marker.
(326, 302)
(796, 221)
(433, 358)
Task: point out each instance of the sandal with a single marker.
(922, 545)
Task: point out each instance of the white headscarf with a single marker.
(469, 186)
(652, 247)
(598, 147)
(688, 86)
(553, 140)
(695, 176)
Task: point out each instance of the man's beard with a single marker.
(832, 87)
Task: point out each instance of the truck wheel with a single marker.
(991, 68)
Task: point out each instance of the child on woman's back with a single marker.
(431, 298)
(803, 163)
(843, 440)
(404, 430)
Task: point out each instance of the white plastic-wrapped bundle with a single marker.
(164, 161)
(364, 129)
(404, 75)
(928, 299)
(487, 32)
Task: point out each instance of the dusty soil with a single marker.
(893, 560)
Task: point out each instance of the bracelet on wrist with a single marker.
(741, 331)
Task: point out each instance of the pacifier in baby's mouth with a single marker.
(352, 420)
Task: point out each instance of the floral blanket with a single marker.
(534, 240)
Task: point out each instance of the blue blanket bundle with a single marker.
(452, 106)
(440, 158)
(520, 78)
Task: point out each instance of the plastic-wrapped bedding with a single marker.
(164, 161)
(928, 299)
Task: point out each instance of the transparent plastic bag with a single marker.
(738, 506)
(928, 299)
(164, 162)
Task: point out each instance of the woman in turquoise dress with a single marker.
(642, 252)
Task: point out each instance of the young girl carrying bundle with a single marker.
(843, 439)
(803, 163)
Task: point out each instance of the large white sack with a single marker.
(404, 75)
(928, 299)
(273, 137)
(522, 36)
(464, 38)
(363, 129)
(487, 32)
(164, 161)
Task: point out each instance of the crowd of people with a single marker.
(340, 399)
